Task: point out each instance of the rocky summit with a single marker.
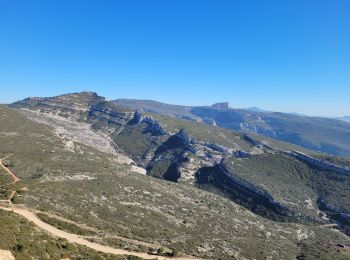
(223, 105)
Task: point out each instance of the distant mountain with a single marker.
(177, 111)
(256, 109)
(344, 118)
(222, 105)
(315, 133)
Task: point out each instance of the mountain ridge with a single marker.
(261, 175)
(316, 133)
(343, 118)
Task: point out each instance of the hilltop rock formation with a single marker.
(222, 105)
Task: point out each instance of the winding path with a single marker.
(72, 238)
(15, 178)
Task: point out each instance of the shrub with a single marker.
(160, 251)
(174, 252)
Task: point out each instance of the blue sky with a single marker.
(277, 55)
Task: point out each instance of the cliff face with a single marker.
(219, 179)
(336, 214)
(321, 164)
(150, 121)
(278, 187)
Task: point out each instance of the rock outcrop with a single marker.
(321, 164)
(222, 105)
(153, 123)
(243, 193)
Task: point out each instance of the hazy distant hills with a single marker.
(177, 111)
(316, 133)
(256, 109)
(344, 118)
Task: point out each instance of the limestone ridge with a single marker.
(204, 155)
(321, 164)
(154, 124)
(333, 136)
(109, 196)
(258, 200)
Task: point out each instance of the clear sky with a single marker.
(277, 55)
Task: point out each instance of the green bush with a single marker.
(160, 251)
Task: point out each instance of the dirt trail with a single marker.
(9, 200)
(155, 246)
(53, 215)
(6, 255)
(15, 178)
(6, 157)
(73, 238)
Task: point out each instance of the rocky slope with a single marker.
(315, 133)
(278, 181)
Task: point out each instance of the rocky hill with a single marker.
(319, 134)
(181, 184)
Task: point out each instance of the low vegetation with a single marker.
(64, 225)
(25, 242)
(85, 185)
